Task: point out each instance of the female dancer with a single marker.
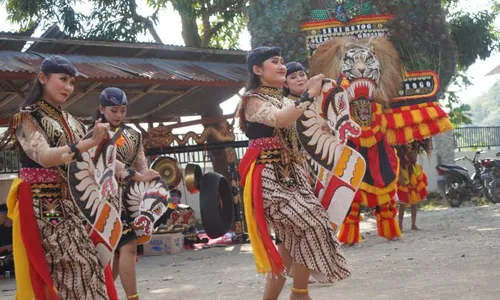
(294, 88)
(275, 182)
(296, 80)
(61, 261)
(113, 109)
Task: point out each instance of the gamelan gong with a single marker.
(168, 169)
(216, 200)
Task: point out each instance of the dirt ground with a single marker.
(455, 256)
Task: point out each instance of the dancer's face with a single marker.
(272, 72)
(57, 87)
(114, 114)
(296, 82)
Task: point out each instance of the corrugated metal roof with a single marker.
(57, 42)
(15, 45)
(495, 71)
(185, 80)
(100, 67)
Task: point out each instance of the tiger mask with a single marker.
(371, 65)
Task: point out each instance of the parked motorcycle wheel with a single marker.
(451, 193)
(495, 190)
(488, 193)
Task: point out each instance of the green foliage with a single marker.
(474, 35)
(277, 23)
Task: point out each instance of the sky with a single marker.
(169, 29)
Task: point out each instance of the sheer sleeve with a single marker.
(141, 163)
(260, 111)
(32, 141)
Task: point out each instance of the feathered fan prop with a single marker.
(94, 189)
(146, 202)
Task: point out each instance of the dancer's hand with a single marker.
(153, 173)
(315, 84)
(100, 132)
(148, 176)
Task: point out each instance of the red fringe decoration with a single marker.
(274, 256)
(41, 279)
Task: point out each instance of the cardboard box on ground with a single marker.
(161, 244)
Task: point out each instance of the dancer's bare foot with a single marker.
(414, 227)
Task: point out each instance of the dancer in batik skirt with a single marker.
(113, 109)
(276, 191)
(54, 255)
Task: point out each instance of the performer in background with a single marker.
(113, 109)
(54, 255)
(295, 81)
(5, 232)
(276, 191)
(412, 185)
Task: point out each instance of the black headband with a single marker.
(258, 55)
(113, 97)
(57, 64)
(293, 67)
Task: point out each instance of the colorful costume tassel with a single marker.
(387, 225)
(349, 231)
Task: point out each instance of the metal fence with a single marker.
(476, 137)
(464, 137)
(9, 161)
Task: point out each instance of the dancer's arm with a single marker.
(256, 110)
(35, 145)
(259, 111)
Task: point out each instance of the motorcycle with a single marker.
(457, 186)
(494, 185)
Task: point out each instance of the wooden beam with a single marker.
(166, 103)
(14, 96)
(15, 88)
(79, 95)
(71, 49)
(144, 93)
(135, 91)
(141, 129)
(178, 82)
(202, 121)
(141, 53)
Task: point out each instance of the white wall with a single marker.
(5, 182)
(429, 164)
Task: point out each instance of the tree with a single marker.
(205, 23)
